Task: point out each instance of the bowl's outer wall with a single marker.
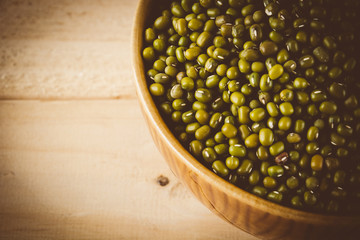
(244, 210)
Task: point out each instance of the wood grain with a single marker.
(66, 49)
(88, 170)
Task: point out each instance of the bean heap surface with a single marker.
(265, 93)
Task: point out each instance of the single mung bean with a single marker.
(306, 61)
(299, 126)
(351, 102)
(243, 114)
(276, 71)
(304, 161)
(276, 24)
(202, 132)
(276, 171)
(192, 127)
(237, 98)
(221, 148)
(254, 177)
(312, 183)
(220, 168)
(188, 116)
(266, 136)
(276, 36)
(220, 54)
(203, 95)
(312, 133)
(344, 130)
(293, 137)
(337, 139)
(312, 148)
(233, 86)
(290, 65)
(238, 30)
(256, 32)
(287, 95)
(233, 72)
(157, 89)
(219, 137)
(237, 150)
(187, 83)
(286, 108)
(282, 56)
(292, 46)
(310, 198)
(204, 39)
(259, 191)
(221, 70)
(349, 65)
(162, 22)
(334, 72)
(216, 120)
(284, 123)
(244, 131)
(272, 109)
(337, 90)
(192, 53)
(277, 148)
(282, 158)
(328, 107)
(342, 152)
(266, 84)
(232, 162)
(196, 147)
(275, 196)
(250, 54)
(148, 54)
(202, 116)
(209, 154)
(264, 97)
(245, 167)
(296, 202)
(321, 54)
(210, 65)
(262, 153)
(257, 114)
(244, 66)
(318, 96)
(252, 141)
(268, 48)
(300, 83)
(212, 81)
(257, 67)
(292, 182)
(254, 104)
(329, 42)
(229, 130)
(269, 182)
(301, 37)
(254, 79)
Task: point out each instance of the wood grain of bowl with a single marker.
(246, 211)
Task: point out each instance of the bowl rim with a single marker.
(150, 109)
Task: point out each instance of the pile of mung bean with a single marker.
(265, 93)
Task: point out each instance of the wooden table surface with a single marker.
(76, 158)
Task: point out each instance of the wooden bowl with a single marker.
(246, 211)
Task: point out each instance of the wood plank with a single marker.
(65, 49)
(88, 170)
